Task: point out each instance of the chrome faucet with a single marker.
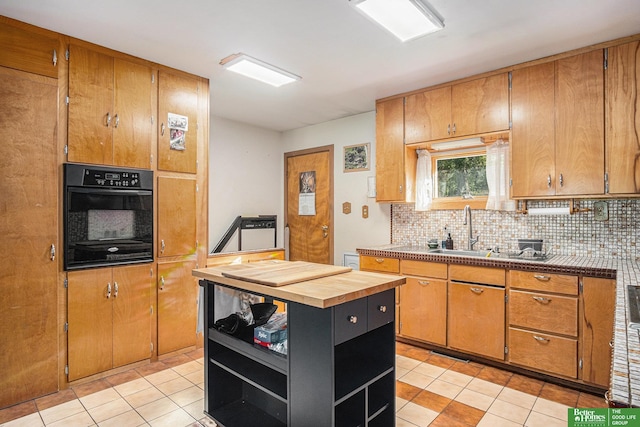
(472, 241)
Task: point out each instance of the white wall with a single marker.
(351, 231)
(245, 178)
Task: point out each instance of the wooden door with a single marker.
(176, 216)
(177, 308)
(427, 115)
(598, 304)
(580, 124)
(90, 317)
(480, 106)
(533, 134)
(476, 319)
(423, 313)
(133, 126)
(622, 119)
(390, 155)
(91, 115)
(309, 204)
(131, 314)
(28, 231)
(177, 94)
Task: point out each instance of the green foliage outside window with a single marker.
(464, 177)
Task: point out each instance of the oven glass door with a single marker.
(107, 227)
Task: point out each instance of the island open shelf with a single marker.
(340, 365)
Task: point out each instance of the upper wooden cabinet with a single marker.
(28, 48)
(395, 177)
(468, 108)
(558, 127)
(110, 110)
(622, 120)
(177, 122)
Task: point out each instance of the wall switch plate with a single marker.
(346, 208)
(365, 211)
(600, 211)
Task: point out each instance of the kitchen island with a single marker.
(339, 366)
(624, 383)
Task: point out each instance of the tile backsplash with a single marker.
(578, 234)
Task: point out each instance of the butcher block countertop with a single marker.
(317, 285)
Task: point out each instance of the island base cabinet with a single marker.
(328, 378)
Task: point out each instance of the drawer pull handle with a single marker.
(353, 319)
(542, 277)
(477, 290)
(423, 282)
(382, 308)
(542, 300)
(541, 339)
(379, 260)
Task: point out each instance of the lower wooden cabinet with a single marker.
(543, 352)
(476, 319)
(109, 316)
(177, 306)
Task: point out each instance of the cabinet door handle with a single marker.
(117, 121)
(382, 308)
(454, 128)
(161, 282)
(353, 319)
(162, 129)
(542, 277)
(477, 290)
(541, 339)
(542, 300)
(561, 180)
(162, 246)
(108, 119)
(548, 181)
(449, 129)
(423, 282)
(108, 290)
(115, 288)
(53, 252)
(379, 260)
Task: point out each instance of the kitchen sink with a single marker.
(463, 252)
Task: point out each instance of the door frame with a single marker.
(314, 150)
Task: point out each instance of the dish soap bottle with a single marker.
(449, 242)
(443, 243)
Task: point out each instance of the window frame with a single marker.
(443, 203)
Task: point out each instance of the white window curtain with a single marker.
(498, 177)
(424, 182)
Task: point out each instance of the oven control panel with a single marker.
(111, 179)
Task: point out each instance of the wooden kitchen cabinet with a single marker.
(423, 314)
(395, 166)
(30, 283)
(109, 318)
(463, 109)
(177, 147)
(476, 319)
(622, 121)
(28, 48)
(176, 216)
(543, 322)
(597, 310)
(177, 306)
(110, 109)
(558, 127)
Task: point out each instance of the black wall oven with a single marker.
(108, 216)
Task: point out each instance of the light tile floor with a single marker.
(431, 390)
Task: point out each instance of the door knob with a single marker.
(325, 231)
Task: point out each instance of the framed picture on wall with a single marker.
(356, 157)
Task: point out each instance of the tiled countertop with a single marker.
(625, 379)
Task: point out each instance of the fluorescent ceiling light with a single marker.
(259, 70)
(405, 19)
(458, 144)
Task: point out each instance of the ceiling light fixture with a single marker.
(405, 19)
(259, 70)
